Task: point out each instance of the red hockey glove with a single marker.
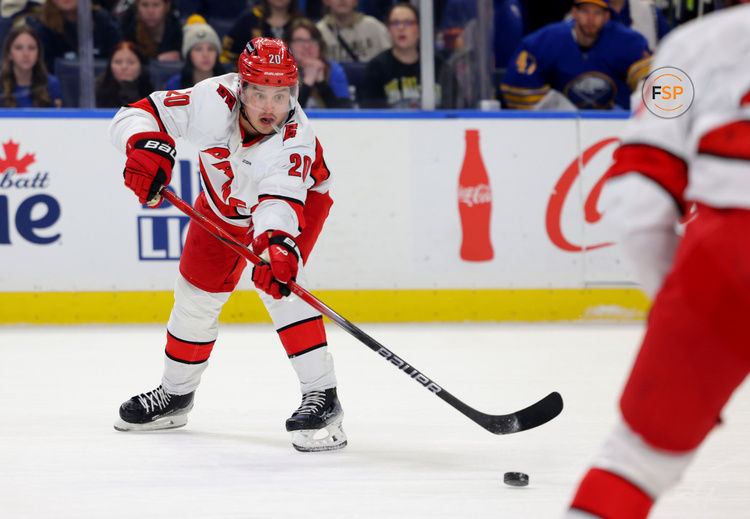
(151, 156)
(281, 266)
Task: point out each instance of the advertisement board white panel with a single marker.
(67, 223)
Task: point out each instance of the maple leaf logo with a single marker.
(11, 159)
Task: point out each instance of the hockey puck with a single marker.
(516, 479)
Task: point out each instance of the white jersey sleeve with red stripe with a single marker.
(266, 178)
(703, 155)
(712, 138)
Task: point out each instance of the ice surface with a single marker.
(409, 455)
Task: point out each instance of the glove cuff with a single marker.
(156, 142)
(286, 241)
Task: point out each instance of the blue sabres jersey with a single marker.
(601, 77)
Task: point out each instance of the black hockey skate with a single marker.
(316, 424)
(154, 410)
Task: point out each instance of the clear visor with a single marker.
(270, 100)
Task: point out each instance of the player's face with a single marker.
(589, 19)
(24, 52)
(204, 56)
(152, 12)
(125, 65)
(266, 107)
(404, 28)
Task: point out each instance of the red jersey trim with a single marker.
(661, 166)
(320, 171)
(147, 104)
(731, 141)
(243, 136)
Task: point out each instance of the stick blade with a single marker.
(538, 413)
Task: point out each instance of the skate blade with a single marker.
(330, 438)
(167, 422)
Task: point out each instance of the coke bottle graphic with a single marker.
(474, 203)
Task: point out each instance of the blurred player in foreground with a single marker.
(265, 182)
(696, 349)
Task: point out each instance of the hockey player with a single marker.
(265, 182)
(591, 61)
(696, 351)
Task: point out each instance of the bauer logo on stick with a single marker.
(668, 92)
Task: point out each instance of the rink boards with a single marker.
(77, 247)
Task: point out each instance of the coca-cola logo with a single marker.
(560, 194)
(474, 195)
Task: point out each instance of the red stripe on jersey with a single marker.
(320, 171)
(303, 336)
(226, 210)
(186, 351)
(604, 494)
(664, 168)
(745, 99)
(731, 141)
(148, 105)
(297, 206)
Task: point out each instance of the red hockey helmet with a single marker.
(267, 61)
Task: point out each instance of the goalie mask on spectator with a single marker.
(268, 86)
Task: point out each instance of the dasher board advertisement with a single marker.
(420, 204)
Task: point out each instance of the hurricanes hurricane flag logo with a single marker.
(12, 161)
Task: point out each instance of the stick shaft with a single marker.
(534, 415)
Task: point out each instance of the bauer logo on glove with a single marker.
(281, 264)
(151, 156)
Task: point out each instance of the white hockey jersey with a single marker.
(263, 181)
(663, 165)
(715, 54)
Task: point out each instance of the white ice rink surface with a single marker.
(410, 455)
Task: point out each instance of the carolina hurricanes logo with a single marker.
(11, 160)
(560, 193)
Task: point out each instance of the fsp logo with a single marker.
(668, 92)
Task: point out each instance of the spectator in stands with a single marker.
(19, 8)
(586, 62)
(125, 79)
(351, 35)
(200, 49)
(24, 81)
(323, 81)
(226, 9)
(155, 29)
(392, 78)
(270, 19)
(58, 31)
(460, 75)
(13, 11)
(642, 16)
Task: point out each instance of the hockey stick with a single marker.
(535, 415)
